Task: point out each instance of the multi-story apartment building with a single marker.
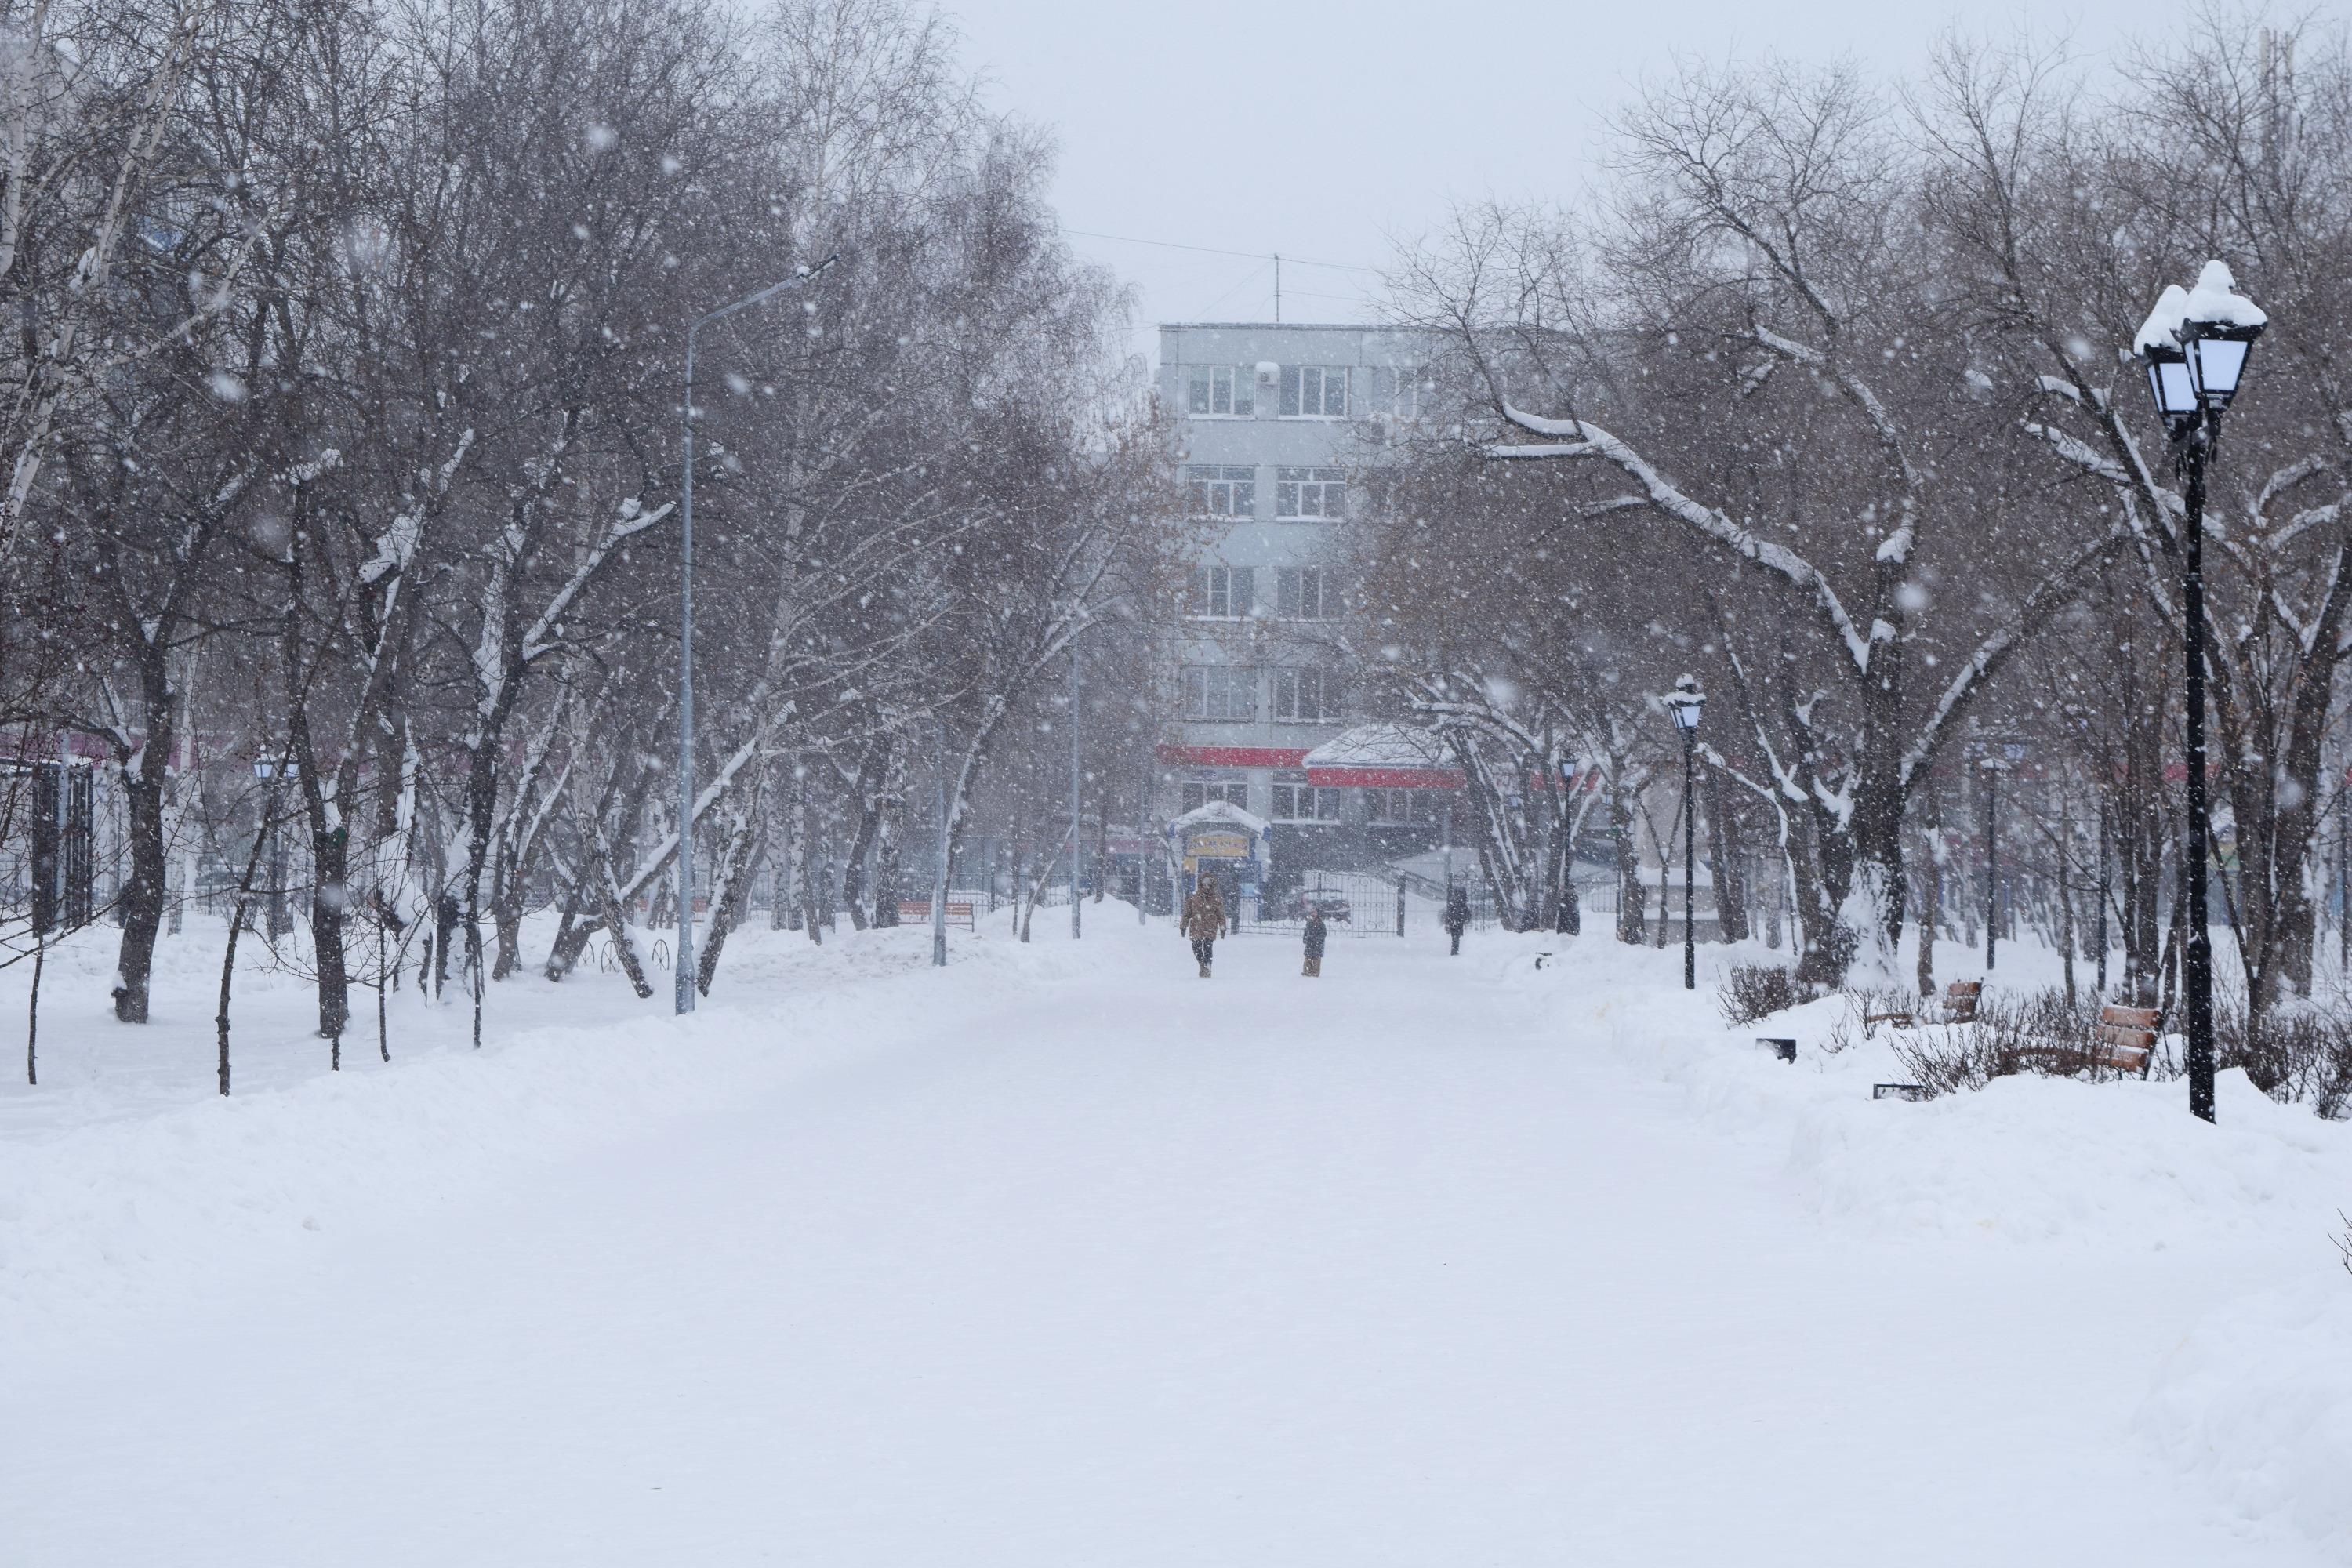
(1272, 421)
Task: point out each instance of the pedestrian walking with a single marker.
(1457, 916)
(1204, 920)
(1315, 935)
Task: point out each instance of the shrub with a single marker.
(2039, 1033)
(2298, 1056)
(1753, 991)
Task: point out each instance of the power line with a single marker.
(1216, 250)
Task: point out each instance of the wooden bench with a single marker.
(2126, 1038)
(918, 912)
(2122, 1040)
(1958, 1005)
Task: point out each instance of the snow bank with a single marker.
(2041, 1159)
(111, 1200)
(2256, 1401)
(2257, 1404)
(2027, 1160)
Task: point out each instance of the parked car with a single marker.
(1334, 905)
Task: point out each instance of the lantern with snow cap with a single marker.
(2169, 380)
(2218, 334)
(1683, 704)
(2196, 343)
(1685, 701)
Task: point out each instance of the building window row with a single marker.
(1220, 390)
(1198, 794)
(1229, 593)
(1295, 800)
(1221, 593)
(1398, 808)
(1300, 494)
(1314, 392)
(1308, 391)
(1305, 803)
(1222, 490)
(1227, 694)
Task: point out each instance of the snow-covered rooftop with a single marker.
(1217, 811)
(1378, 746)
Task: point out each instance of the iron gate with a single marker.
(1354, 903)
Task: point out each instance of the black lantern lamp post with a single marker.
(2011, 753)
(2196, 344)
(1684, 703)
(1567, 843)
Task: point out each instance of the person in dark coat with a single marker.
(1203, 922)
(1457, 916)
(1315, 935)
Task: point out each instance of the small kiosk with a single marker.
(1223, 841)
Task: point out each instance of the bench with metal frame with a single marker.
(1958, 1005)
(918, 912)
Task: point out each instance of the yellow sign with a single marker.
(1218, 846)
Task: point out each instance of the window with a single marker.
(1306, 695)
(1296, 802)
(1303, 593)
(1219, 390)
(1219, 691)
(1222, 490)
(1394, 807)
(1300, 494)
(1314, 392)
(1199, 792)
(1401, 392)
(1221, 593)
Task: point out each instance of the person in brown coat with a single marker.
(1316, 932)
(1203, 922)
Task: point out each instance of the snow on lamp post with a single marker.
(1683, 704)
(684, 994)
(2196, 344)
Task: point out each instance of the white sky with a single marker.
(1320, 129)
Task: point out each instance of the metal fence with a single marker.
(1354, 903)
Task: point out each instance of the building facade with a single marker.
(1273, 423)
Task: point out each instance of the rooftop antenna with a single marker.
(1277, 287)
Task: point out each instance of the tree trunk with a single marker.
(1632, 901)
(887, 844)
(812, 870)
(782, 834)
(729, 892)
(506, 907)
(1931, 899)
(142, 897)
(1727, 861)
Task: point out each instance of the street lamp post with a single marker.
(1990, 768)
(1993, 767)
(685, 990)
(1684, 703)
(1567, 846)
(941, 868)
(1142, 812)
(2196, 344)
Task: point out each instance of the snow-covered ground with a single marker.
(1062, 1256)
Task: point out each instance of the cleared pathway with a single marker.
(1138, 1271)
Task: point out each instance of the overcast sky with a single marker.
(1319, 129)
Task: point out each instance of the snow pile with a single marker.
(124, 1188)
(2257, 1404)
(2044, 1159)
